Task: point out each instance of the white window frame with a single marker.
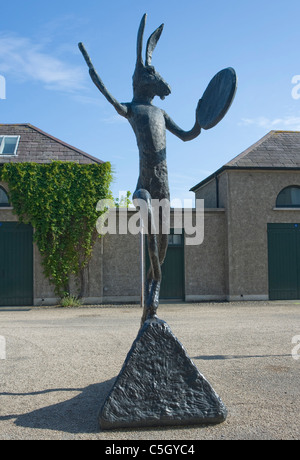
(2, 146)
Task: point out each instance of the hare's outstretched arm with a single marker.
(120, 108)
(183, 135)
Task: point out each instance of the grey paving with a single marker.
(60, 364)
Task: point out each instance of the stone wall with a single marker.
(205, 274)
(251, 206)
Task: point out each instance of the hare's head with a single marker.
(147, 83)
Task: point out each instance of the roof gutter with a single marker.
(241, 168)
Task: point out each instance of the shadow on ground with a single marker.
(80, 414)
(220, 357)
(76, 415)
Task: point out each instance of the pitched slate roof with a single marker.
(39, 147)
(276, 150)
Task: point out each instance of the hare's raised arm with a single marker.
(120, 108)
(183, 135)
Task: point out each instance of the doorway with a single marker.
(284, 261)
(16, 264)
(172, 285)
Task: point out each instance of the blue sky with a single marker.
(47, 83)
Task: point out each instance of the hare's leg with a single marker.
(158, 245)
(148, 285)
(162, 247)
(154, 274)
(154, 280)
(162, 250)
(154, 288)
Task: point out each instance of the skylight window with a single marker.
(9, 145)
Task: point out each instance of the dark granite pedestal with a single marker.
(159, 385)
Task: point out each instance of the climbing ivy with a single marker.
(59, 200)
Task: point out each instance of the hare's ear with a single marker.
(139, 48)
(152, 42)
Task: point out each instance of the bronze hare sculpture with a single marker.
(149, 124)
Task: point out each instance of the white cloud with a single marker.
(286, 123)
(29, 61)
(83, 99)
(114, 119)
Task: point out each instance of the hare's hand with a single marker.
(198, 105)
(120, 108)
(183, 135)
(198, 108)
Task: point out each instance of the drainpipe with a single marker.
(217, 190)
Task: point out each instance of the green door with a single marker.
(172, 285)
(16, 264)
(284, 261)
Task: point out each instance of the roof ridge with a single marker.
(286, 131)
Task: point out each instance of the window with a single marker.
(9, 145)
(289, 197)
(175, 240)
(4, 201)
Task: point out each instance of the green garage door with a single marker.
(284, 261)
(172, 285)
(16, 264)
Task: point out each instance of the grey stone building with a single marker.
(251, 245)
(21, 275)
(259, 195)
(25, 142)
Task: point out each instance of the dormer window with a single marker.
(9, 145)
(4, 200)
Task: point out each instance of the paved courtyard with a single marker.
(60, 363)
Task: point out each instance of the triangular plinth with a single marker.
(160, 385)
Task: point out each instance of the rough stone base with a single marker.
(159, 385)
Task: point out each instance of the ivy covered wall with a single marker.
(59, 200)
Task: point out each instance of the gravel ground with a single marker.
(60, 364)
